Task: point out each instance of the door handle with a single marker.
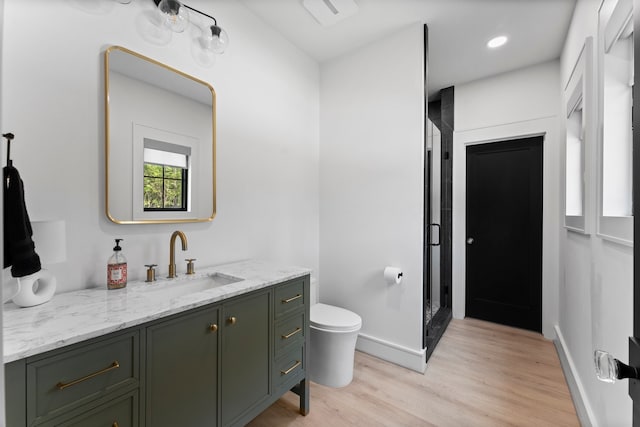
(609, 369)
(439, 234)
(470, 240)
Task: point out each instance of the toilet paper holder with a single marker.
(393, 275)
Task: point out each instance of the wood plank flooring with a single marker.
(480, 374)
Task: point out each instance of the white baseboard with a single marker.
(394, 353)
(583, 409)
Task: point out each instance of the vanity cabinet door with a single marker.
(70, 378)
(181, 370)
(118, 412)
(245, 357)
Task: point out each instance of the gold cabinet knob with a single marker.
(232, 320)
(213, 327)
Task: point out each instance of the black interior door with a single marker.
(504, 232)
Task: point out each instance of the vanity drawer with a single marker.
(68, 379)
(289, 297)
(119, 412)
(289, 332)
(287, 367)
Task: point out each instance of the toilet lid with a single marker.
(325, 316)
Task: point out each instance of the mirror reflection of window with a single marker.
(580, 131)
(166, 176)
(615, 142)
(617, 138)
(574, 163)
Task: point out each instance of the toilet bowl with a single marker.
(334, 332)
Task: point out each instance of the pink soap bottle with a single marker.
(117, 268)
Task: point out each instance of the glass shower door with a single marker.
(434, 302)
(436, 305)
(432, 214)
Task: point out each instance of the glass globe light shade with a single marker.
(174, 15)
(216, 39)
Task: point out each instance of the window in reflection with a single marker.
(166, 176)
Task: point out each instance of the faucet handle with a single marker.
(151, 272)
(190, 266)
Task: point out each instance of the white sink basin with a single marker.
(186, 285)
(216, 279)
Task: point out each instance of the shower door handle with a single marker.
(439, 231)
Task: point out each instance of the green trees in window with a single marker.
(164, 187)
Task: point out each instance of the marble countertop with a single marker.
(80, 315)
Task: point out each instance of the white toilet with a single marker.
(334, 332)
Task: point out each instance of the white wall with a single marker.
(507, 106)
(371, 191)
(267, 135)
(596, 292)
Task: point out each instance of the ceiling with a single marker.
(458, 32)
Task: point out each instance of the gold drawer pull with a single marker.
(115, 424)
(289, 335)
(288, 371)
(288, 300)
(213, 327)
(232, 320)
(114, 365)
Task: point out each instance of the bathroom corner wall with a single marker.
(371, 191)
(596, 289)
(267, 135)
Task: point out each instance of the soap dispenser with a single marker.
(117, 268)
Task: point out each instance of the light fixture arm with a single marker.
(215, 21)
(201, 13)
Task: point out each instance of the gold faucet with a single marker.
(172, 252)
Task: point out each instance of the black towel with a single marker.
(19, 250)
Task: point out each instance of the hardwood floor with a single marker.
(480, 374)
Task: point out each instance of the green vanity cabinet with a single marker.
(291, 338)
(245, 357)
(182, 370)
(93, 383)
(221, 364)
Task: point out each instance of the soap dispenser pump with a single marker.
(117, 268)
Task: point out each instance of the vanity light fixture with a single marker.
(175, 16)
(497, 42)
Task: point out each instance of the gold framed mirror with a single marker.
(160, 142)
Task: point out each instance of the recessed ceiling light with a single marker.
(497, 42)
